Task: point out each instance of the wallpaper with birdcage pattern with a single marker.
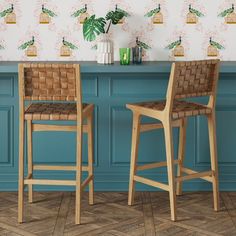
(52, 30)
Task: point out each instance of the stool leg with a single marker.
(170, 167)
(181, 154)
(90, 158)
(30, 161)
(214, 162)
(134, 155)
(21, 172)
(78, 191)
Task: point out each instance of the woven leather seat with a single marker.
(52, 111)
(181, 109)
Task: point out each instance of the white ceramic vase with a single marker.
(105, 51)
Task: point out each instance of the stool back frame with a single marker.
(193, 79)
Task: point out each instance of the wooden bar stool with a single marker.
(53, 82)
(187, 80)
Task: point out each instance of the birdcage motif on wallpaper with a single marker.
(10, 18)
(213, 48)
(191, 18)
(65, 51)
(229, 15)
(231, 18)
(156, 15)
(30, 48)
(66, 48)
(46, 15)
(82, 14)
(193, 15)
(31, 51)
(9, 15)
(177, 48)
(44, 18)
(212, 51)
(157, 18)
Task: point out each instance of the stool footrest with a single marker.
(50, 182)
(58, 168)
(151, 182)
(153, 126)
(46, 128)
(154, 165)
(206, 175)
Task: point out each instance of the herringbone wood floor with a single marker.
(53, 214)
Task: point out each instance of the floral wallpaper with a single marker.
(174, 29)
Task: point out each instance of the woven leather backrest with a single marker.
(49, 82)
(195, 78)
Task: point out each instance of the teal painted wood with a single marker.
(110, 92)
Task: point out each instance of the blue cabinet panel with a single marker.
(110, 91)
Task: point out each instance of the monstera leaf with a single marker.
(93, 27)
(115, 16)
(152, 12)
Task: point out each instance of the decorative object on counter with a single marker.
(125, 56)
(66, 48)
(157, 17)
(46, 15)
(229, 15)
(137, 51)
(177, 48)
(9, 15)
(81, 14)
(31, 49)
(213, 48)
(94, 27)
(193, 15)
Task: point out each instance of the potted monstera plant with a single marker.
(100, 26)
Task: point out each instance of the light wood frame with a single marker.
(79, 128)
(174, 186)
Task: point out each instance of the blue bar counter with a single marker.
(110, 87)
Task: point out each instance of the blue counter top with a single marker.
(145, 67)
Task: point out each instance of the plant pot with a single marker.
(105, 54)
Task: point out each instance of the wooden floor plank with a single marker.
(53, 214)
(62, 215)
(148, 214)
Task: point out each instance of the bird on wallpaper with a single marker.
(142, 44)
(48, 12)
(7, 11)
(216, 45)
(227, 11)
(175, 44)
(196, 12)
(1, 47)
(68, 44)
(27, 44)
(80, 11)
(153, 12)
